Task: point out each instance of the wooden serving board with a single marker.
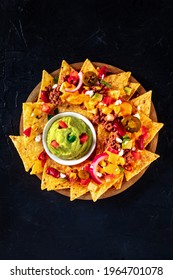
(151, 147)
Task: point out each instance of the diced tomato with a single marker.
(54, 144)
(108, 100)
(83, 138)
(121, 129)
(62, 124)
(84, 181)
(43, 157)
(27, 132)
(87, 167)
(144, 131)
(73, 78)
(140, 142)
(53, 172)
(136, 155)
(45, 96)
(102, 72)
(46, 108)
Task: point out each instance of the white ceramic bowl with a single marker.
(73, 161)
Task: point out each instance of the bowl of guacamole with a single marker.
(69, 138)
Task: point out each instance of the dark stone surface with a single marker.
(132, 35)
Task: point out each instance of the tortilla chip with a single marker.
(118, 81)
(98, 190)
(51, 183)
(77, 190)
(65, 70)
(152, 127)
(118, 184)
(144, 102)
(28, 154)
(75, 108)
(34, 117)
(88, 66)
(47, 80)
(146, 159)
(37, 168)
(134, 87)
(76, 98)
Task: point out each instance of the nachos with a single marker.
(120, 116)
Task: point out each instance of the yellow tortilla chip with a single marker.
(143, 102)
(47, 80)
(88, 66)
(37, 168)
(118, 81)
(76, 98)
(28, 154)
(146, 159)
(75, 108)
(51, 183)
(118, 184)
(152, 127)
(133, 87)
(65, 70)
(98, 190)
(77, 190)
(34, 117)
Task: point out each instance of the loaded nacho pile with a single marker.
(121, 118)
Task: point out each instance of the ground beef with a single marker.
(54, 96)
(128, 160)
(96, 119)
(111, 142)
(108, 125)
(101, 118)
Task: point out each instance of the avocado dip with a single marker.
(69, 138)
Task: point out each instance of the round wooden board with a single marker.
(151, 147)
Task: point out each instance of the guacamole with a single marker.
(69, 138)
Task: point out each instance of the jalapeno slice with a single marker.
(83, 174)
(90, 78)
(131, 123)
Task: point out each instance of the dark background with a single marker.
(133, 35)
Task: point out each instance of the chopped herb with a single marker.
(127, 90)
(56, 111)
(105, 83)
(49, 117)
(126, 138)
(55, 79)
(71, 138)
(127, 142)
(121, 168)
